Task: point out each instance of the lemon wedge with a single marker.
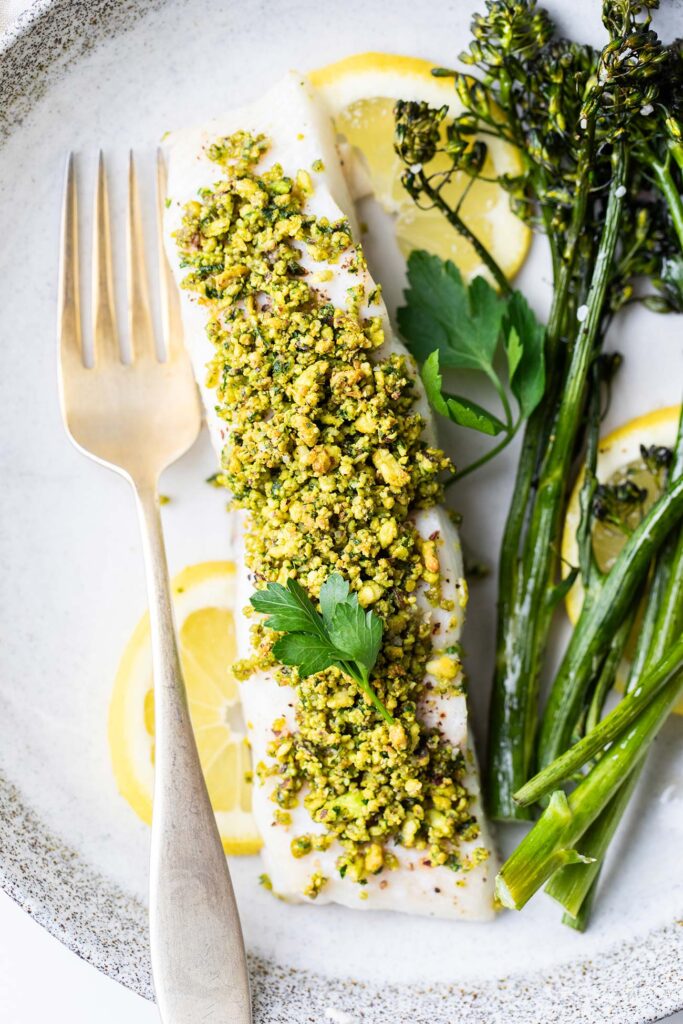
(203, 598)
(619, 459)
(360, 93)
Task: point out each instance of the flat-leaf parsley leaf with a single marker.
(450, 325)
(344, 635)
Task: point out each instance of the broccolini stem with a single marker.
(608, 671)
(676, 146)
(456, 221)
(669, 621)
(587, 565)
(627, 711)
(594, 630)
(648, 622)
(524, 619)
(580, 922)
(550, 843)
(574, 885)
(510, 741)
(508, 763)
(669, 190)
(599, 618)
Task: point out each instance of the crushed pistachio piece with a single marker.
(316, 883)
(300, 846)
(443, 667)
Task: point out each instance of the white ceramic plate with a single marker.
(79, 74)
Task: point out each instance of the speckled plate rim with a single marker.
(630, 984)
(633, 983)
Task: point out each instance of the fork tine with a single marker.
(105, 334)
(69, 310)
(170, 304)
(140, 317)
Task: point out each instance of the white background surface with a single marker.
(39, 979)
(10, 9)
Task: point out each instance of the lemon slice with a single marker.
(619, 459)
(360, 93)
(203, 597)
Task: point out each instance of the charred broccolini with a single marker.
(599, 136)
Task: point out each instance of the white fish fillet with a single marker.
(300, 132)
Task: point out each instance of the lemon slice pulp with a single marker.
(619, 459)
(203, 597)
(360, 93)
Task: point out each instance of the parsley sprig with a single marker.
(453, 326)
(344, 635)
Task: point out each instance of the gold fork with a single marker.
(137, 419)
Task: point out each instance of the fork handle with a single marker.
(198, 959)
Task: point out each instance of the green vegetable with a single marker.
(600, 616)
(660, 632)
(552, 841)
(614, 503)
(524, 338)
(575, 885)
(463, 323)
(620, 741)
(600, 137)
(344, 635)
(452, 326)
(525, 628)
(459, 409)
(606, 731)
(598, 134)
